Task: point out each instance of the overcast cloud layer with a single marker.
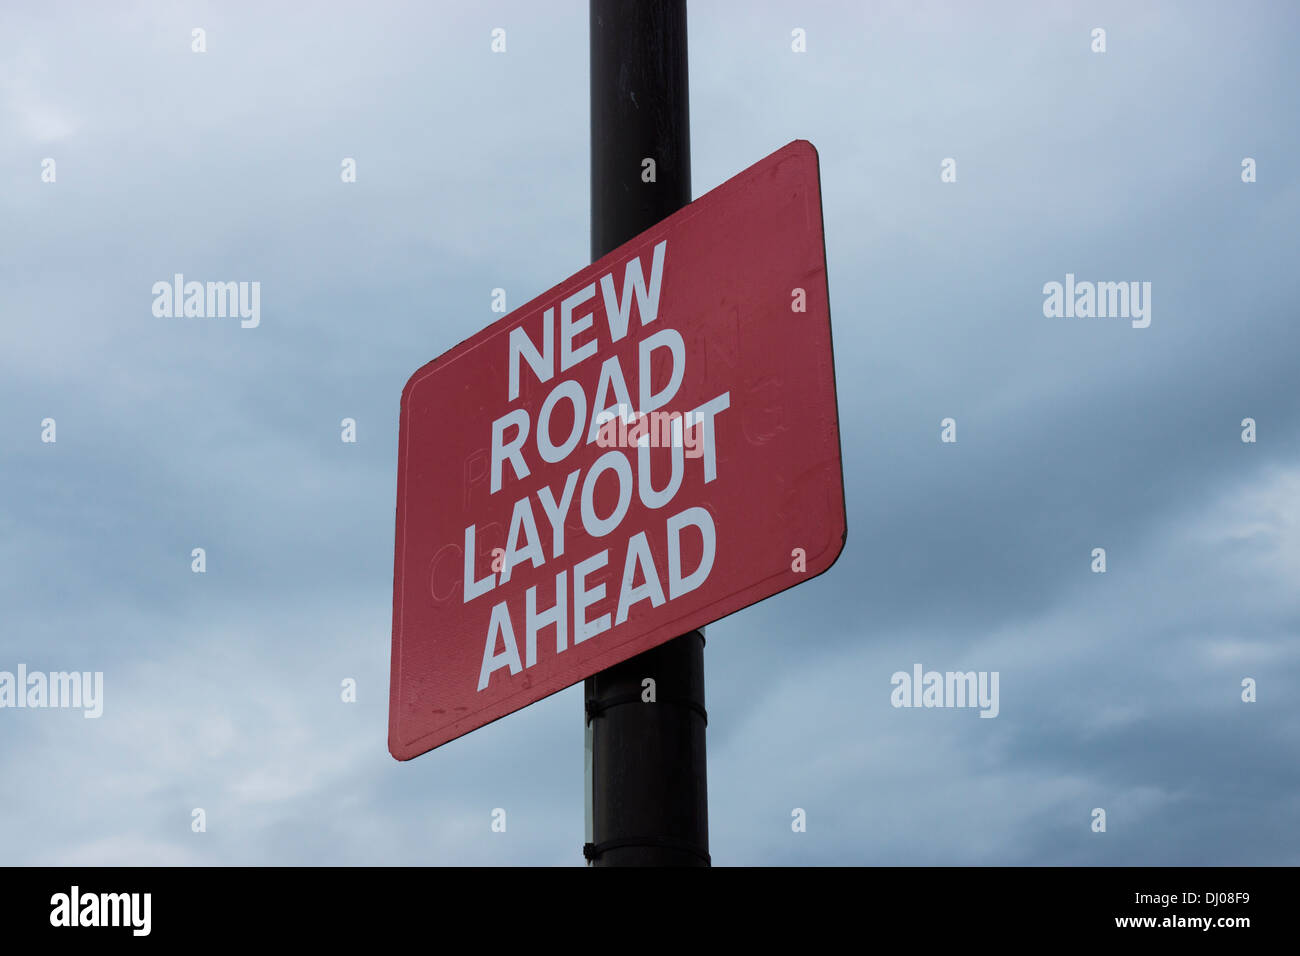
(1119, 690)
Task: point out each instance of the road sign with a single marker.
(644, 449)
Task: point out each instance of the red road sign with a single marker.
(642, 450)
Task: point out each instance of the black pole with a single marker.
(649, 788)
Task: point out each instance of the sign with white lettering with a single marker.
(642, 450)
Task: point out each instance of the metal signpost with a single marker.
(645, 448)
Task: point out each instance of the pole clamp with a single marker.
(592, 851)
(595, 708)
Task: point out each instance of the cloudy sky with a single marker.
(1120, 690)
